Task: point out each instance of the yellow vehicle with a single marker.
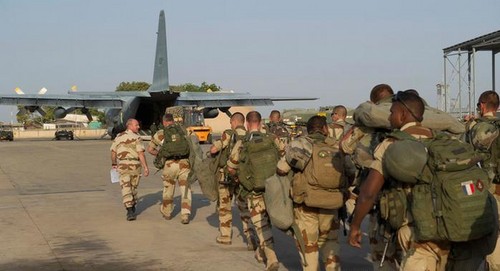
(194, 121)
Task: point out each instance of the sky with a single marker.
(333, 50)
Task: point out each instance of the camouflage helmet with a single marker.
(298, 153)
(404, 160)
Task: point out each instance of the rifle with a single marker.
(344, 218)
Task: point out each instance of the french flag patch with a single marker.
(468, 188)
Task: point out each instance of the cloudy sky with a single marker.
(334, 50)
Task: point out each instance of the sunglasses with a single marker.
(399, 98)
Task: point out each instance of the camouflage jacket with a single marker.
(482, 133)
(127, 147)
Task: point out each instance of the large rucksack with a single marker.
(175, 145)
(258, 159)
(321, 182)
(450, 199)
(279, 205)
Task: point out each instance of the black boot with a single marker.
(130, 214)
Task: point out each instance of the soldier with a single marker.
(127, 156)
(251, 186)
(406, 115)
(360, 142)
(338, 126)
(171, 143)
(318, 225)
(228, 186)
(277, 128)
(483, 133)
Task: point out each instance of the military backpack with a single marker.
(258, 159)
(449, 196)
(320, 184)
(224, 154)
(175, 145)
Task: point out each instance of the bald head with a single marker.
(339, 113)
(253, 119)
(411, 103)
(132, 125)
(489, 101)
(380, 92)
(237, 119)
(275, 116)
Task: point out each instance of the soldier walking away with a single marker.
(317, 192)
(406, 115)
(228, 187)
(171, 148)
(255, 157)
(359, 143)
(127, 157)
(483, 134)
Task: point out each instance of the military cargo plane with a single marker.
(145, 106)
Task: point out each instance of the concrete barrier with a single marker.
(78, 133)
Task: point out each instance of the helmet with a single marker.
(404, 160)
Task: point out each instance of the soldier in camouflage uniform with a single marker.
(483, 134)
(339, 126)
(228, 187)
(175, 169)
(127, 156)
(277, 128)
(406, 115)
(319, 227)
(255, 200)
(359, 142)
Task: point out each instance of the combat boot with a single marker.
(185, 219)
(223, 240)
(130, 214)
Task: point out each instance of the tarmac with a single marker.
(59, 211)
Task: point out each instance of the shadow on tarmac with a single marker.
(104, 257)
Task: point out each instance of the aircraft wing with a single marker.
(80, 100)
(225, 99)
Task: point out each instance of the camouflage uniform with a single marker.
(127, 147)
(483, 135)
(359, 143)
(337, 129)
(279, 130)
(319, 229)
(258, 215)
(175, 169)
(226, 194)
(423, 255)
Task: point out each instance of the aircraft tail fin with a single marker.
(160, 74)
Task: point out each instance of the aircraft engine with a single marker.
(60, 113)
(210, 113)
(33, 108)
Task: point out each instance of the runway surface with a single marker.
(59, 211)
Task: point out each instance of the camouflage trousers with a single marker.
(129, 181)
(422, 256)
(176, 170)
(319, 229)
(260, 220)
(379, 236)
(226, 194)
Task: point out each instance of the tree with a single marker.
(206, 87)
(189, 87)
(132, 86)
